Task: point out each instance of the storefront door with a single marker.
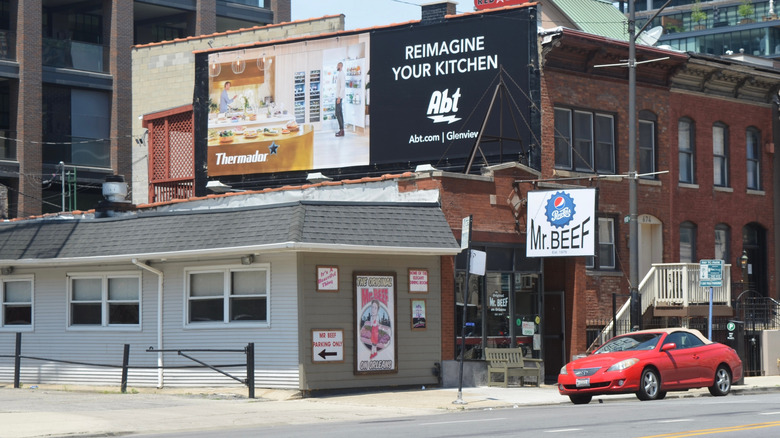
(554, 339)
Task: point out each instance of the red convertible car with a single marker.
(650, 363)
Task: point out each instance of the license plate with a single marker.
(583, 383)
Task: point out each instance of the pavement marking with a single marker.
(561, 430)
(463, 421)
(726, 429)
(769, 413)
(679, 420)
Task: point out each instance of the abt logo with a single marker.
(441, 104)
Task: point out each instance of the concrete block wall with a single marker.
(164, 76)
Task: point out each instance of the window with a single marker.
(228, 295)
(722, 236)
(584, 141)
(685, 144)
(753, 147)
(720, 155)
(687, 242)
(105, 300)
(683, 340)
(16, 295)
(606, 245)
(646, 148)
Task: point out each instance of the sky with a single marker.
(359, 14)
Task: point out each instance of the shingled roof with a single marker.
(413, 228)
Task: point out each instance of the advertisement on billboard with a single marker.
(561, 223)
(403, 94)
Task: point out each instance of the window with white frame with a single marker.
(606, 249)
(104, 300)
(753, 149)
(687, 242)
(228, 295)
(647, 148)
(685, 144)
(720, 160)
(17, 302)
(584, 141)
(722, 236)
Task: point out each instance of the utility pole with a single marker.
(633, 226)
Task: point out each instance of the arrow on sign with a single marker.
(324, 354)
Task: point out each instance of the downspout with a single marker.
(159, 318)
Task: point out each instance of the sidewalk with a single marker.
(56, 411)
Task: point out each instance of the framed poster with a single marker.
(375, 320)
(418, 315)
(418, 280)
(327, 278)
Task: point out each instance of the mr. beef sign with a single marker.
(561, 223)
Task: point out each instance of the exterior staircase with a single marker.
(672, 289)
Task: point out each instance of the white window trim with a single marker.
(226, 323)
(104, 326)
(17, 328)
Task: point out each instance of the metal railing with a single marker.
(249, 351)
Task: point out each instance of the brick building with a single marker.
(66, 95)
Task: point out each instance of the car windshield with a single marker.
(644, 341)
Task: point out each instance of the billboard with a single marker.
(561, 223)
(394, 96)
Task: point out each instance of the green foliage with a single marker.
(697, 14)
(746, 9)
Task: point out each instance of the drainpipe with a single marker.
(159, 318)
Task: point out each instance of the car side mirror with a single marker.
(669, 346)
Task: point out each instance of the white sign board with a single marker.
(711, 273)
(561, 223)
(465, 231)
(327, 345)
(478, 262)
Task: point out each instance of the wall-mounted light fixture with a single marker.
(7, 270)
(743, 260)
(247, 259)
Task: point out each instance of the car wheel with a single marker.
(649, 385)
(722, 385)
(661, 395)
(580, 399)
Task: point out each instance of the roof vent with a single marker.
(115, 189)
(115, 192)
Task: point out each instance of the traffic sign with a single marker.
(711, 273)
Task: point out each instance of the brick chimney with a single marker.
(282, 10)
(435, 12)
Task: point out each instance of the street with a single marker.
(732, 416)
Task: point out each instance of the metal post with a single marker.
(465, 315)
(18, 360)
(62, 180)
(636, 317)
(250, 368)
(125, 361)
(614, 314)
(709, 329)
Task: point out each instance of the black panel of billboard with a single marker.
(367, 103)
(435, 84)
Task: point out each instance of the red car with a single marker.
(650, 363)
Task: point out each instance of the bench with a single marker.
(511, 363)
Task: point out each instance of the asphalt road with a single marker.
(731, 416)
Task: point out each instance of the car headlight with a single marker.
(623, 364)
(563, 370)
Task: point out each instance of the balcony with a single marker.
(75, 55)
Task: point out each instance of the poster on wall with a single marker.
(375, 307)
(561, 223)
